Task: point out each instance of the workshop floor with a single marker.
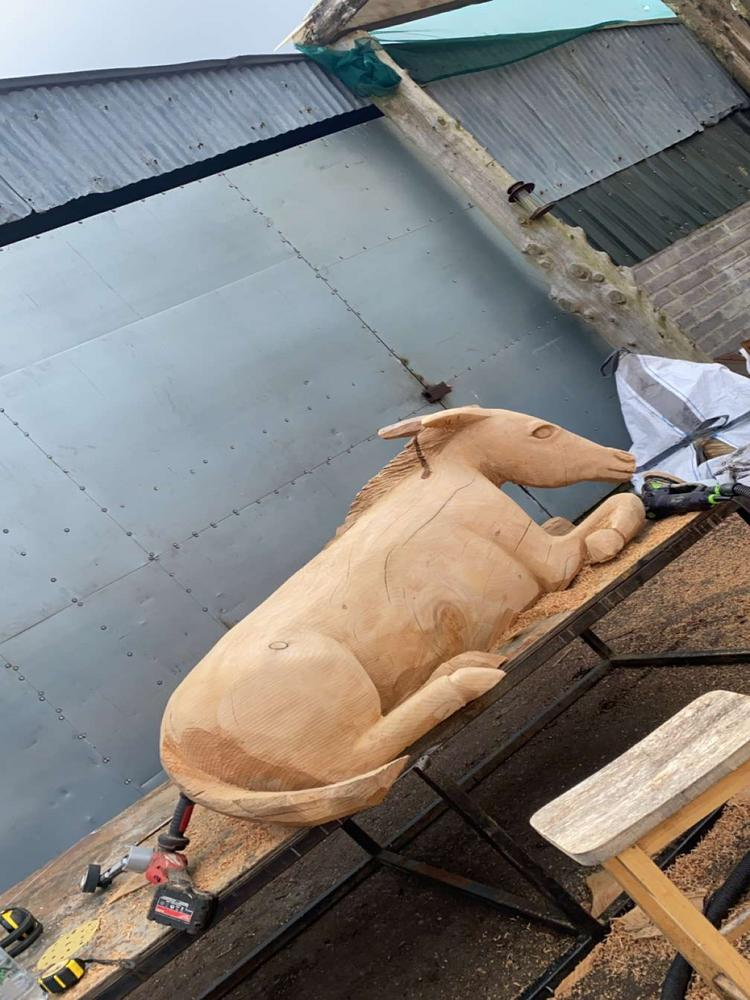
(391, 937)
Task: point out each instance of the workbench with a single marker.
(235, 858)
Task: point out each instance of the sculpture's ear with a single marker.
(454, 420)
(449, 420)
(403, 429)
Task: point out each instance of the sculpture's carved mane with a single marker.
(400, 466)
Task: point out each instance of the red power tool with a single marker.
(176, 903)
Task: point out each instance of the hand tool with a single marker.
(663, 496)
(176, 902)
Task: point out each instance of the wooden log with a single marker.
(582, 281)
(329, 19)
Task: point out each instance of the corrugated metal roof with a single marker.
(61, 142)
(641, 210)
(580, 112)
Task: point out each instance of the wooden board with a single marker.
(638, 791)
(227, 854)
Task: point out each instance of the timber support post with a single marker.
(581, 280)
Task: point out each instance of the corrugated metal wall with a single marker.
(190, 390)
(65, 142)
(648, 206)
(585, 110)
(563, 119)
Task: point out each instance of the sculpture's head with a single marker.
(514, 447)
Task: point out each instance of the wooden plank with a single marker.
(226, 853)
(329, 19)
(695, 938)
(650, 783)
(222, 850)
(693, 812)
(581, 280)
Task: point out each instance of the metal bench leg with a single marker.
(501, 842)
(674, 658)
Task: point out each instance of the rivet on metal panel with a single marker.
(195, 534)
(21, 677)
(155, 489)
(128, 533)
(103, 510)
(106, 760)
(205, 609)
(188, 590)
(15, 666)
(231, 447)
(6, 531)
(175, 545)
(205, 461)
(23, 553)
(159, 683)
(213, 524)
(53, 579)
(234, 510)
(129, 653)
(128, 781)
(81, 487)
(103, 628)
(61, 718)
(152, 556)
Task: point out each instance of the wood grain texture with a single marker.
(634, 794)
(328, 19)
(698, 941)
(241, 846)
(298, 715)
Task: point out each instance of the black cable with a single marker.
(715, 910)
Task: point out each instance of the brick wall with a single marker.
(703, 282)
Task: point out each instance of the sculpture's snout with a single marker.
(620, 465)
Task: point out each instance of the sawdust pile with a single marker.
(627, 968)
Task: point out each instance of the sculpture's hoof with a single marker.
(604, 544)
(558, 526)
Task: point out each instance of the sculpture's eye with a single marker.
(543, 431)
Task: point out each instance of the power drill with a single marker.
(176, 902)
(663, 496)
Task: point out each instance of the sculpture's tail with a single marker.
(300, 807)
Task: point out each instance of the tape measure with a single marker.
(64, 978)
(21, 929)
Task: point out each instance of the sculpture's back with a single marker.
(300, 712)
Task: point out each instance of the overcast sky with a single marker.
(60, 36)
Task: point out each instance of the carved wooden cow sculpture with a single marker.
(298, 714)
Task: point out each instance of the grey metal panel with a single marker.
(456, 294)
(63, 142)
(159, 252)
(361, 189)
(179, 400)
(12, 206)
(111, 664)
(51, 299)
(648, 206)
(580, 112)
(126, 264)
(219, 400)
(55, 788)
(233, 567)
(56, 545)
(474, 314)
